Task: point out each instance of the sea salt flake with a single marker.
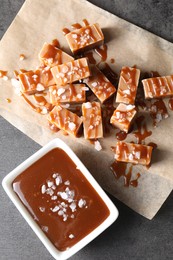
(67, 182)
(85, 88)
(43, 189)
(60, 212)
(44, 111)
(55, 209)
(49, 191)
(64, 217)
(65, 69)
(60, 91)
(64, 97)
(58, 180)
(40, 87)
(79, 96)
(126, 91)
(5, 78)
(45, 228)
(81, 203)
(88, 105)
(130, 157)
(73, 206)
(54, 197)
(64, 195)
(94, 84)
(71, 236)
(49, 183)
(138, 155)
(42, 209)
(97, 145)
(74, 35)
(72, 126)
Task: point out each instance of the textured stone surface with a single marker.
(132, 236)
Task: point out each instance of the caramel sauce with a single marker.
(154, 145)
(102, 52)
(37, 109)
(3, 73)
(121, 135)
(85, 22)
(64, 220)
(134, 182)
(110, 74)
(8, 100)
(56, 43)
(112, 60)
(107, 111)
(170, 103)
(90, 57)
(16, 74)
(40, 100)
(76, 26)
(158, 111)
(119, 169)
(142, 133)
(65, 31)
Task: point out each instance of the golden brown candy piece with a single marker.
(133, 153)
(127, 87)
(52, 56)
(85, 38)
(123, 116)
(158, 87)
(92, 120)
(36, 81)
(70, 93)
(71, 71)
(100, 85)
(65, 120)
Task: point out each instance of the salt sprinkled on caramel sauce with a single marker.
(60, 199)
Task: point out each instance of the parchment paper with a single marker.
(38, 22)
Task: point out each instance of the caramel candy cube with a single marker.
(52, 56)
(70, 93)
(100, 85)
(92, 120)
(133, 153)
(36, 81)
(127, 87)
(158, 87)
(71, 71)
(85, 38)
(123, 117)
(65, 120)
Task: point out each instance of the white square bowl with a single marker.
(7, 185)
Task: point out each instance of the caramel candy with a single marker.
(36, 81)
(71, 71)
(92, 120)
(70, 93)
(85, 38)
(123, 117)
(158, 87)
(52, 56)
(100, 85)
(127, 87)
(133, 153)
(65, 120)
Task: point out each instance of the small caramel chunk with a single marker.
(70, 93)
(92, 120)
(52, 56)
(127, 87)
(85, 38)
(71, 71)
(123, 116)
(100, 85)
(133, 153)
(158, 87)
(65, 120)
(36, 81)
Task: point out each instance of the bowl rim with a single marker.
(7, 185)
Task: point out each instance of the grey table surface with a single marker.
(131, 236)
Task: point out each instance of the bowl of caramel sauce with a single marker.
(60, 199)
